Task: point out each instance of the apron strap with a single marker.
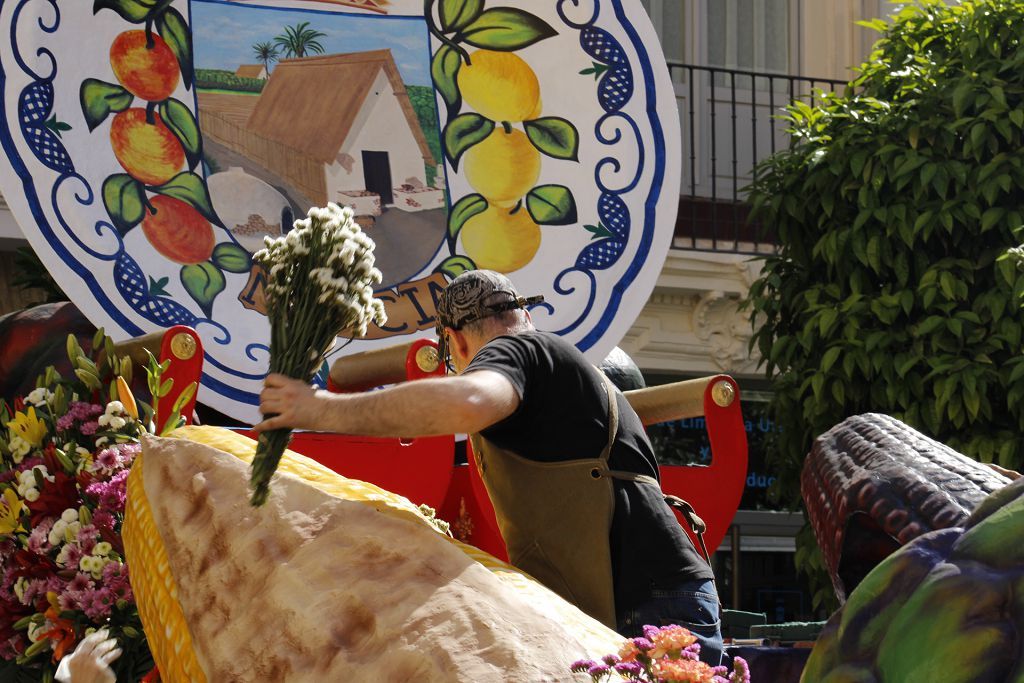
(613, 417)
(697, 524)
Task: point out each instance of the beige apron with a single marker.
(555, 517)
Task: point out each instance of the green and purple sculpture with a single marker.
(949, 604)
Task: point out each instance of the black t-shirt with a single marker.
(563, 415)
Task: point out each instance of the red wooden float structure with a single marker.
(424, 469)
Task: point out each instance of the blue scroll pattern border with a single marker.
(35, 105)
(615, 88)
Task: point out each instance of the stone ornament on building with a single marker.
(718, 321)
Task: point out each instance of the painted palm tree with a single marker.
(267, 53)
(300, 40)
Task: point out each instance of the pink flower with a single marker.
(97, 604)
(682, 671)
(38, 540)
(87, 536)
(668, 640)
(89, 428)
(107, 459)
(72, 554)
(102, 519)
(80, 582)
(110, 494)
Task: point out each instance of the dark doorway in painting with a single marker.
(377, 173)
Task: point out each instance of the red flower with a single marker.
(54, 498)
(32, 566)
(11, 612)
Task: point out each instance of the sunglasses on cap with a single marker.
(444, 353)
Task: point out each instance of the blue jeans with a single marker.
(690, 604)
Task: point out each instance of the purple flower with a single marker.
(691, 651)
(611, 660)
(89, 428)
(598, 670)
(740, 671)
(580, 665)
(65, 422)
(630, 669)
(643, 644)
(651, 631)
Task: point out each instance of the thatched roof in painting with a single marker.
(310, 103)
(251, 71)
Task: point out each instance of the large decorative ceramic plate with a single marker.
(153, 144)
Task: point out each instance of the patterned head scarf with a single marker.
(474, 295)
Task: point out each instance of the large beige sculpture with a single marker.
(332, 580)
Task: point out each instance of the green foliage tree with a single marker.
(266, 52)
(893, 212)
(300, 40)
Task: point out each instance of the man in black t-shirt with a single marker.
(565, 460)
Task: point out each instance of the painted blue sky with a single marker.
(223, 35)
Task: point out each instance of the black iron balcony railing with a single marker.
(730, 122)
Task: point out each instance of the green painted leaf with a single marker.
(156, 287)
(203, 282)
(183, 124)
(464, 209)
(190, 188)
(506, 29)
(463, 132)
(457, 14)
(231, 257)
(99, 100)
(444, 70)
(173, 28)
(454, 266)
(135, 11)
(599, 230)
(554, 136)
(124, 199)
(551, 205)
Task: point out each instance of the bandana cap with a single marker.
(474, 295)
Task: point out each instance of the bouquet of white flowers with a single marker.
(319, 285)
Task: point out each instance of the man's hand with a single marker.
(90, 662)
(295, 403)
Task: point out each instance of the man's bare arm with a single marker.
(445, 405)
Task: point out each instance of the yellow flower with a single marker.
(10, 513)
(124, 393)
(28, 427)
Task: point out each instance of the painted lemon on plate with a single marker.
(500, 239)
(500, 86)
(503, 167)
